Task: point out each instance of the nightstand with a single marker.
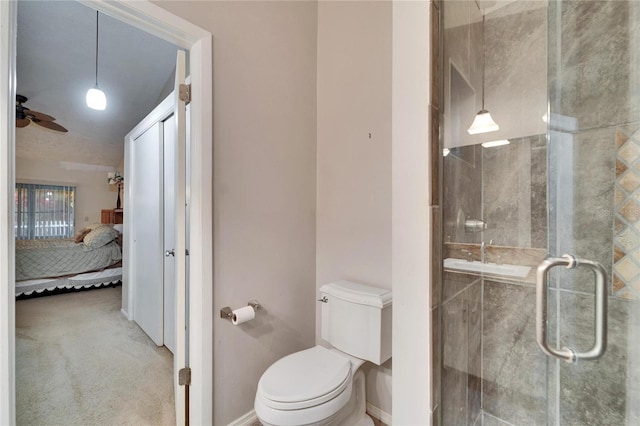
(111, 216)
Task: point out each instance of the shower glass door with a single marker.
(562, 81)
(594, 208)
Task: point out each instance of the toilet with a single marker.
(321, 386)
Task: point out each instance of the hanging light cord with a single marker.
(483, 59)
(97, 24)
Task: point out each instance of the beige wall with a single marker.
(93, 193)
(264, 91)
(354, 170)
(265, 196)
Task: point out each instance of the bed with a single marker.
(92, 259)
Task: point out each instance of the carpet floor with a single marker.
(79, 361)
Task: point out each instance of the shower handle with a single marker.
(600, 332)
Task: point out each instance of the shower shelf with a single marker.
(487, 268)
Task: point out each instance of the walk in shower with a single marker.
(523, 344)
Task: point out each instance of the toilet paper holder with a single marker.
(227, 312)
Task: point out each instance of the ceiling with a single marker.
(56, 67)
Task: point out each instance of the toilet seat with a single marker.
(305, 379)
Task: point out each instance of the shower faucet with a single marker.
(483, 250)
(469, 255)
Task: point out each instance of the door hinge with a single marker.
(185, 93)
(184, 377)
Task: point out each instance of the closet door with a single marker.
(148, 233)
(169, 143)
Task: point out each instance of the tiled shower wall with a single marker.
(491, 361)
(493, 372)
(626, 243)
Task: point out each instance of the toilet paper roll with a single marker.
(242, 315)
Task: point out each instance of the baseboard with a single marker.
(126, 315)
(247, 420)
(378, 414)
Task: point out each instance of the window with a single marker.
(44, 211)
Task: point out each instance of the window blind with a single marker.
(44, 211)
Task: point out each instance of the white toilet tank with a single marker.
(356, 319)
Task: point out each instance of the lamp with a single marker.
(483, 123)
(115, 178)
(96, 98)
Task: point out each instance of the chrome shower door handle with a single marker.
(600, 332)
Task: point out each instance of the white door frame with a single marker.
(159, 22)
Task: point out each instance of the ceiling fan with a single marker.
(25, 115)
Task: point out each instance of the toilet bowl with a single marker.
(320, 386)
(317, 386)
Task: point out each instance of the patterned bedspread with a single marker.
(59, 257)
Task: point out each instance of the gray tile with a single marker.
(589, 225)
(514, 193)
(476, 47)
(489, 420)
(436, 256)
(454, 397)
(516, 83)
(552, 365)
(461, 359)
(633, 367)
(474, 396)
(462, 191)
(455, 282)
(457, 34)
(505, 186)
(455, 358)
(539, 227)
(604, 391)
(435, 153)
(597, 88)
(436, 357)
(435, 417)
(434, 41)
(514, 369)
(455, 323)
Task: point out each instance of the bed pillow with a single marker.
(100, 236)
(96, 225)
(83, 233)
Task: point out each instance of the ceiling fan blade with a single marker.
(22, 122)
(50, 125)
(38, 115)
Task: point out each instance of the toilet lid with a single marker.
(305, 378)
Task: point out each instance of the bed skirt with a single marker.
(91, 279)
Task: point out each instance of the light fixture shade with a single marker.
(483, 123)
(495, 143)
(96, 98)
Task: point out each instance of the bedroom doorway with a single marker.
(157, 21)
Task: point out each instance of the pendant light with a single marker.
(96, 98)
(483, 123)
